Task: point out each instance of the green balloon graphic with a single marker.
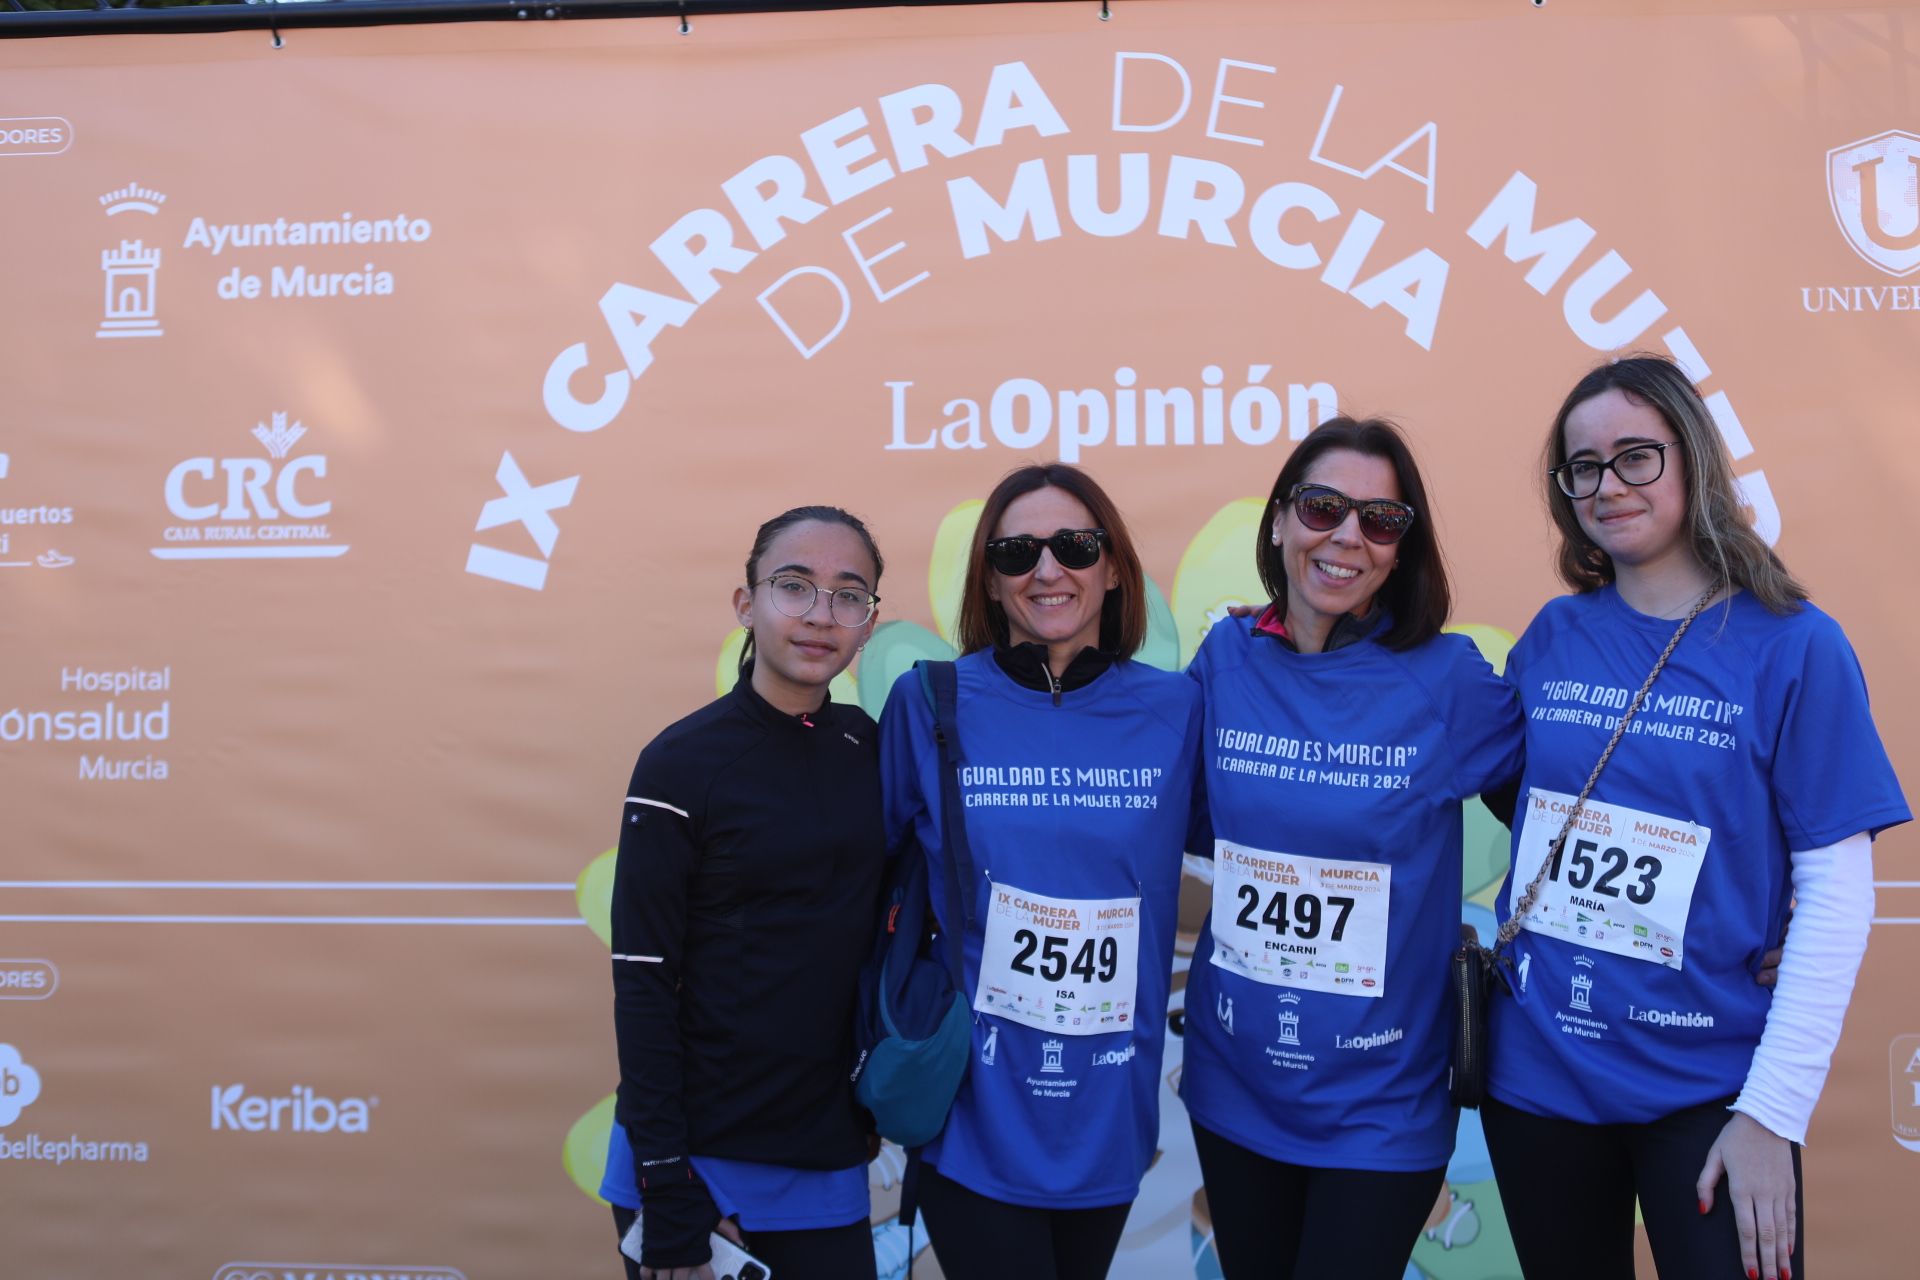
(894, 648)
(1162, 648)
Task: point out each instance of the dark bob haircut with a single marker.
(1123, 615)
(1416, 592)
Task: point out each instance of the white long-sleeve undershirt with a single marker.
(1833, 892)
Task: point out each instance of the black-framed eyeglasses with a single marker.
(794, 595)
(1072, 549)
(1635, 465)
(1321, 507)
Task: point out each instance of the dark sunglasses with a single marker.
(1320, 508)
(1072, 549)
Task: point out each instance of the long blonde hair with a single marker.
(1719, 522)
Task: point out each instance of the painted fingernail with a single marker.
(1703, 1206)
(1753, 1273)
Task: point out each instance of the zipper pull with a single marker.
(1055, 682)
(804, 720)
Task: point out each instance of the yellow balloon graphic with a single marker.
(726, 672)
(593, 891)
(585, 1152)
(947, 568)
(1494, 643)
(1217, 571)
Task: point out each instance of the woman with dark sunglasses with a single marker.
(1638, 1058)
(1343, 731)
(744, 895)
(1078, 774)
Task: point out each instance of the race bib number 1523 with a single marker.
(1623, 882)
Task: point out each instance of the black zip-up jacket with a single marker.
(745, 896)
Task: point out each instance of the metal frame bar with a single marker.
(133, 18)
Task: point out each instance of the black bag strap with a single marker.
(941, 682)
(910, 1197)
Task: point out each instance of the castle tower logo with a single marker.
(1873, 185)
(132, 198)
(1289, 1020)
(1582, 986)
(1050, 1056)
(131, 270)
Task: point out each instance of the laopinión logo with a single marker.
(330, 1271)
(132, 308)
(1873, 186)
(249, 507)
(299, 1110)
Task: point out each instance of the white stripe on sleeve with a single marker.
(657, 804)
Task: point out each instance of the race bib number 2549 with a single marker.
(1065, 965)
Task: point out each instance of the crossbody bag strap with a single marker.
(942, 682)
(1511, 929)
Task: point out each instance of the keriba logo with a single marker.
(300, 1110)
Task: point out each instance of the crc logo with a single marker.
(300, 1110)
(19, 1085)
(249, 507)
(1871, 184)
(329, 1271)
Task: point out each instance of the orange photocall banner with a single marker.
(387, 417)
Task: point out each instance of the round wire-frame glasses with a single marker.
(794, 596)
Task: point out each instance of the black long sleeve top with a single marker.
(745, 895)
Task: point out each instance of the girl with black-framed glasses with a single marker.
(1639, 1060)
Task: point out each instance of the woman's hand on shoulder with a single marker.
(1758, 1167)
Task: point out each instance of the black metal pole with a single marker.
(363, 13)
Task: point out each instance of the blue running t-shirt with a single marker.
(1077, 817)
(1633, 980)
(1316, 1006)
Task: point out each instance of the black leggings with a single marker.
(976, 1237)
(1569, 1188)
(1279, 1220)
(824, 1253)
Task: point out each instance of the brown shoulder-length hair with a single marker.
(1123, 615)
(1416, 593)
(1719, 522)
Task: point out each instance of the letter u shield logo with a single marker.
(1903, 1084)
(1874, 187)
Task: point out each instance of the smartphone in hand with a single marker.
(730, 1261)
